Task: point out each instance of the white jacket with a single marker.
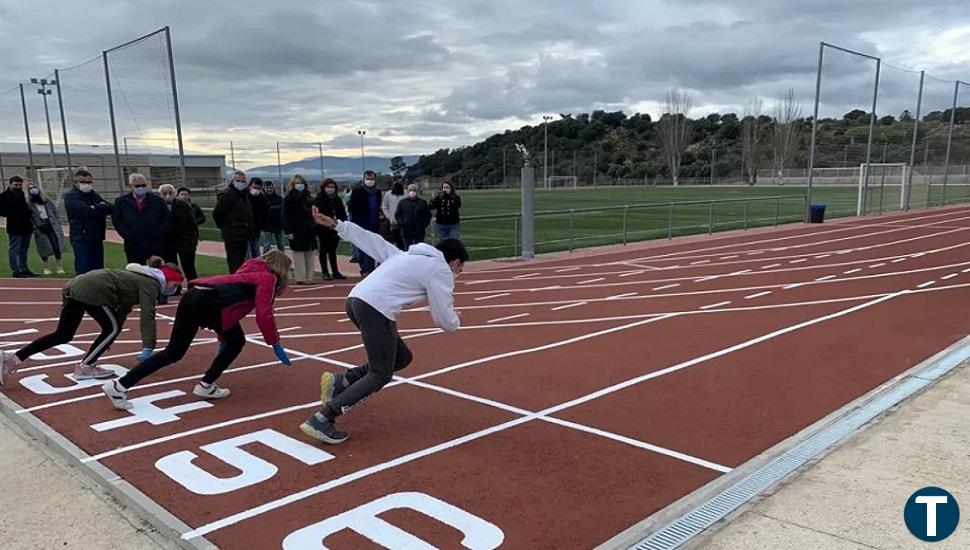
(389, 206)
(404, 279)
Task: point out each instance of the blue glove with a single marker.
(281, 354)
(145, 354)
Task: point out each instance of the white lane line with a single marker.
(771, 266)
(591, 281)
(823, 256)
(566, 269)
(897, 260)
(719, 304)
(493, 296)
(665, 287)
(874, 266)
(618, 296)
(742, 272)
(798, 261)
(344, 320)
(926, 284)
(568, 306)
(297, 306)
(757, 295)
(526, 275)
(700, 262)
(631, 273)
(967, 270)
(509, 318)
(851, 271)
(710, 278)
(950, 276)
(796, 285)
(728, 257)
(826, 278)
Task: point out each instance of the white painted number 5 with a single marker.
(478, 533)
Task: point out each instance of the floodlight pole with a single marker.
(30, 150)
(175, 103)
(114, 128)
(949, 140)
(60, 106)
(811, 149)
(872, 128)
(908, 188)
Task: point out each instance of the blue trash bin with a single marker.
(817, 213)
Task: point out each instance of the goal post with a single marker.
(879, 175)
(563, 182)
(53, 181)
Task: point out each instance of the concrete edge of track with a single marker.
(123, 492)
(927, 373)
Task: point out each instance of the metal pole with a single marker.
(279, 164)
(746, 203)
(545, 153)
(528, 209)
(114, 128)
(124, 140)
(882, 179)
(60, 106)
(626, 214)
(712, 166)
(872, 127)
(908, 188)
(43, 91)
(811, 149)
(505, 180)
(175, 104)
(572, 229)
(232, 156)
(949, 141)
(710, 219)
(323, 173)
(670, 221)
(594, 167)
(515, 243)
(778, 208)
(30, 150)
(362, 169)
(2, 176)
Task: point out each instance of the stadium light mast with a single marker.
(43, 83)
(361, 133)
(545, 150)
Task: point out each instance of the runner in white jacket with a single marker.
(402, 279)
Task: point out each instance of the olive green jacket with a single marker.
(121, 290)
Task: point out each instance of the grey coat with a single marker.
(45, 249)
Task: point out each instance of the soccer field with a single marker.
(583, 217)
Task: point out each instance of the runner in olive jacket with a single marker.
(108, 296)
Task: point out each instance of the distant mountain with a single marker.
(338, 168)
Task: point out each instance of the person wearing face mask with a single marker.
(365, 209)
(446, 204)
(260, 214)
(233, 215)
(87, 213)
(424, 272)
(300, 229)
(107, 296)
(183, 236)
(273, 228)
(389, 207)
(142, 219)
(413, 217)
(19, 226)
(48, 233)
(332, 206)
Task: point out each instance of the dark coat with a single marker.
(413, 216)
(260, 213)
(233, 215)
(143, 229)
(332, 207)
(17, 212)
(274, 216)
(186, 219)
(86, 214)
(363, 208)
(298, 221)
(446, 208)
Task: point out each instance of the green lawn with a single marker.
(490, 225)
(114, 256)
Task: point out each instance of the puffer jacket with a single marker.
(257, 273)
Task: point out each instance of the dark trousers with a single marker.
(328, 253)
(397, 237)
(199, 308)
(386, 353)
(88, 256)
(17, 253)
(48, 231)
(183, 255)
(412, 238)
(236, 254)
(138, 252)
(72, 311)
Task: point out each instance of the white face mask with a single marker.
(370, 183)
(413, 194)
(254, 192)
(240, 185)
(84, 187)
(299, 187)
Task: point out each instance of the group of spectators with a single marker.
(251, 216)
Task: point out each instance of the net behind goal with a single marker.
(882, 186)
(54, 181)
(561, 182)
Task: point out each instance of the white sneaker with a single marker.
(8, 365)
(60, 270)
(47, 271)
(212, 392)
(87, 372)
(117, 394)
(3, 367)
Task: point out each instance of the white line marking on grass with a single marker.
(509, 318)
(719, 304)
(926, 284)
(771, 266)
(284, 308)
(493, 296)
(311, 491)
(950, 276)
(618, 296)
(874, 266)
(526, 275)
(851, 271)
(567, 306)
(665, 287)
(591, 281)
(825, 278)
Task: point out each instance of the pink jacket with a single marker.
(254, 272)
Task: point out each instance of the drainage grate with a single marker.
(682, 529)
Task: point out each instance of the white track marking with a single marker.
(297, 306)
(728, 257)
(771, 266)
(665, 287)
(719, 304)
(796, 285)
(308, 289)
(874, 266)
(822, 256)
(567, 306)
(851, 271)
(631, 273)
(590, 281)
(700, 262)
(757, 295)
(489, 297)
(618, 296)
(526, 275)
(950, 276)
(798, 261)
(708, 278)
(825, 278)
(897, 260)
(742, 272)
(567, 269)
(509, 318)
(926, 284)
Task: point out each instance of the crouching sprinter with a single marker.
(403, 278)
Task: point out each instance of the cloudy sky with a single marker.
(418, 75)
